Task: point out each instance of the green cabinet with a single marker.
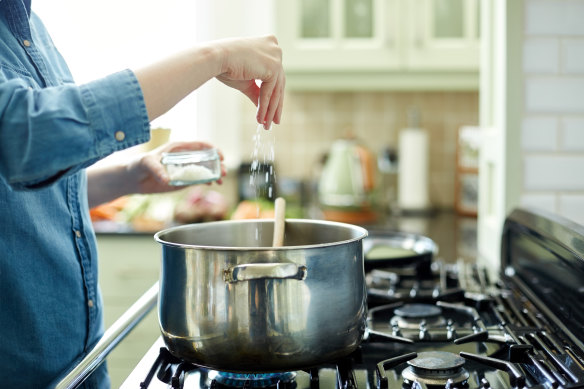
(380, 44)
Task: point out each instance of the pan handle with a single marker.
(257, 271)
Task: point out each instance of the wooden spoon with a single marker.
(279, 221)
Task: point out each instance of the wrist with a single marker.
(214, 55)
(130, 175)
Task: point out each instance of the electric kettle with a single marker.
(347, 178)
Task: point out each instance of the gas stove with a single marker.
(446, 325)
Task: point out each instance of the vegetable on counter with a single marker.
(253, 209)
(153, 212)
(264, 209)
(201, 205)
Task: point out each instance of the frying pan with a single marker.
(386, 248)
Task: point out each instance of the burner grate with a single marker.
(436, 368)
(253, 380)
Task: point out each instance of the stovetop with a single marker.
(438, 325)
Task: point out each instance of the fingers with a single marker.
(271, 101)
(266, 91)
(278, 113)
(253, 92)
(153, 167)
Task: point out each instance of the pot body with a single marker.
(230, 302)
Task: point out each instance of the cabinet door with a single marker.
(442, 35)
(339, 35)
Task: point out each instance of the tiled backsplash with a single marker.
(553, 121)
(313, 120)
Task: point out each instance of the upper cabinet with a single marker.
(442, 34)
(339, 35)
(380, 44)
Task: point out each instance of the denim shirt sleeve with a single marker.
(46, 133)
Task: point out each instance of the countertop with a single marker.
(455, 235)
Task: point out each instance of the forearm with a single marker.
(107, 183)
(49, 132)
(142, 174)
(167, 82)
(236, 62)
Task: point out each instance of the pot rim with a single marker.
(363, 234)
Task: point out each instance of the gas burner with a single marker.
(251, 380)
(436, 369)
(414, 315)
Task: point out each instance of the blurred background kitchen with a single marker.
(460, 110)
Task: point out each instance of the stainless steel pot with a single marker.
(229, 301)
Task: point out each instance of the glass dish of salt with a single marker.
(192, 167)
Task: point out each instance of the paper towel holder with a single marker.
(413, 179)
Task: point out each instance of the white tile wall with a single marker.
(572, 57)
(554, 94)
(573, 134)
(553, 123)
(539, 133)
(545, 201)
(547, 17)
(540, 55)
(572, 207)
(553, 172)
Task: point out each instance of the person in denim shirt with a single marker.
(51, 132)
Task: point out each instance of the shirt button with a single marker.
(90, 303)
(120, 136)
(78, 233)
(26, 42)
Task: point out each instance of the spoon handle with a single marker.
(279, 221)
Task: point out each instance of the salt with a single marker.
(263, 153)
(192, 167)
(190, 173)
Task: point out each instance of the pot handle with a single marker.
(257, 271)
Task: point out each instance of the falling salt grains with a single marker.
(262, 155)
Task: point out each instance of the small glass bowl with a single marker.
(192, 167)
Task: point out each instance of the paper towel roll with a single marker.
(413, 165)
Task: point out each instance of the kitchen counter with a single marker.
(455, 235)
(129, 264)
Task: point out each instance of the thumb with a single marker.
(247, 87)
(251, 90)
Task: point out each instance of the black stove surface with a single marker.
(451, 327)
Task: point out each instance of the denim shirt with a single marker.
(50, 130)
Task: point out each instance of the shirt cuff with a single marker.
(116, 111)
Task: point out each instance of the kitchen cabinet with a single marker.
(129, 264)
(443, 35)
(339, 35)
(380, 44)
